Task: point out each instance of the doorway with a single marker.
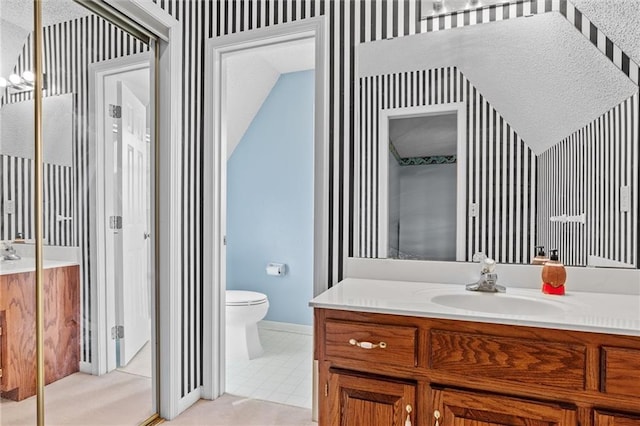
(422, 168)
(216, 166)
(123, 153)
(269, 218)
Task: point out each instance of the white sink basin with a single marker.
(498, 303)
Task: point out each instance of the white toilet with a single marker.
(244, 310)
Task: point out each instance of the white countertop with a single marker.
(579, 311)
(28, 264)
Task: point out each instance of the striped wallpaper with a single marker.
(605, 157)
(69, 48)
(500, 173)
(350, 23)
(17, 184)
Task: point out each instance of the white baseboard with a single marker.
(86, 367)
(285, 326)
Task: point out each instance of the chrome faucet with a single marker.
(9, 253)
(488, 278)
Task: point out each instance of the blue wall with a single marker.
(270, 201)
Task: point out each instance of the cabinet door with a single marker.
(603, 418)
(364, 401)
(461, 408)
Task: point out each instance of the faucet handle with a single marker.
(479, 257)
(488, 265)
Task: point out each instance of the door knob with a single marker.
(147, 235)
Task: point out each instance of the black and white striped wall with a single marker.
(69, 48)
(604, 156)
(17, 185)
(500, 172)
(350, 23)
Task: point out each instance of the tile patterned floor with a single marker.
(283, 374)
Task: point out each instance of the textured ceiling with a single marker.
(424, 136)
(20, 12)
(618, 19)
(542, 75)
(16, 22)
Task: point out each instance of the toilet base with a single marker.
(243, 342)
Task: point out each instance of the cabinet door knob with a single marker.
(436, 414)
(367, 345)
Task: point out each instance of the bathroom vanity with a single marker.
(403, 353)
(17, 326)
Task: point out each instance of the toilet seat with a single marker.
(244, 298)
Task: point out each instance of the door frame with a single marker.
(167, 97)
(215, 178)
(461, 169)
(103, 305)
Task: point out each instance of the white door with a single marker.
(133, 283)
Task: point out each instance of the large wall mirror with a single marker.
(499, 129)
(16, 129)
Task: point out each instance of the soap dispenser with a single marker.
(554, 275)
(541, 257)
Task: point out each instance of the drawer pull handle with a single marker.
(367, 345)
(408, 421)
(436, 414)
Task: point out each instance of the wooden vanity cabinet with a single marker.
(61, 329)
(464, 373)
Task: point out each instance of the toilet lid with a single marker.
(244, 298)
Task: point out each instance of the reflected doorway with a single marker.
(422, 166)
(422, 187)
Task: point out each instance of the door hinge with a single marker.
(326, 389)
(115, 111)
(115, 222)
(117, 332)
(224, 240)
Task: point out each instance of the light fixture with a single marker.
(21, 84)
(28, 76)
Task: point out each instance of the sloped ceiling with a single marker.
(543, 76)
(16, 22)
(424, 136)
(251, 74)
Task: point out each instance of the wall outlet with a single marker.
(625, 198)
(9, 207)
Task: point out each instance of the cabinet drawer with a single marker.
(376, 343)
(506, 358)
(620, 371)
